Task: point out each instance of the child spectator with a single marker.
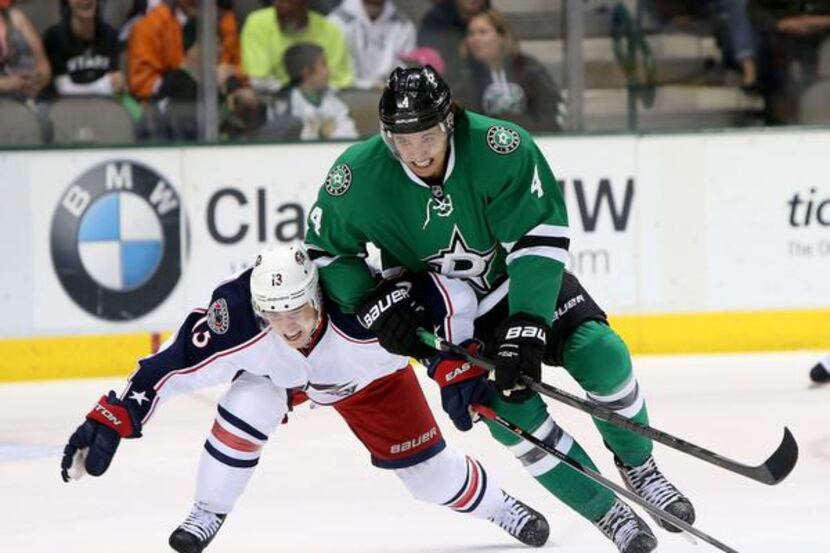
(309, 98)
(83, 52)
(24, 68)
(499, 80)
(269, 32)
(377, 33)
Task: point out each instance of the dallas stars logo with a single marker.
(458, 260)
(503, 140)
(339, 180)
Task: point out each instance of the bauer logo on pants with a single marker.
(116, 240)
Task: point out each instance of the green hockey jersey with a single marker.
(499, 221)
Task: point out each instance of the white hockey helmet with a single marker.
(284, 279)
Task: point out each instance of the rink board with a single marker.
(693, 243)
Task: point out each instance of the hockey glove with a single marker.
(395, 317)
(462, 385)
(521, 347)
(92, 446)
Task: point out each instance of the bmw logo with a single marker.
(116, 240)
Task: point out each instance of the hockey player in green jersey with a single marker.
(444, 190)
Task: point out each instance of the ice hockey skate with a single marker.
(649, 483)
(197, 531)
(628, 531)
(820, 374)
(523, 523)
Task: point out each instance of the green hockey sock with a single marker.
(598, 359)
(571, 487)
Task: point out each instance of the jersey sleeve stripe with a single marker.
(556, 254)
(530, 241)
(550, 231)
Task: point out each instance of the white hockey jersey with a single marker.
(214, 345)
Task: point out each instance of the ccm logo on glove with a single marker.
(525, 332)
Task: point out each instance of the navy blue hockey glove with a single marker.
(521, 347)
(462, 385)
(92, 446)
(395, 317)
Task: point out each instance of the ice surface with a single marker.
(315, 490)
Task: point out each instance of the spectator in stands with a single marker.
(377, 33)
(444, 27)
(24, 68)
(499, 80)
(269, 32)
(790, 34)
(83, 51)
(729, 21)
(309, 98)
(164, 62)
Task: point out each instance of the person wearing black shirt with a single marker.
(83, 51)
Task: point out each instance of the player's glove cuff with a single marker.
(112, 413)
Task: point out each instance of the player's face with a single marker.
(295, 327)
(423, 152)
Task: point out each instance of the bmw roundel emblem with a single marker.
(116, 240)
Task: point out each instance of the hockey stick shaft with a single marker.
(771, 472)
(488, 413)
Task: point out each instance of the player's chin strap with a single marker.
(772, 471)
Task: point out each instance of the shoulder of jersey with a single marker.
(496, 137)
(230, 313)
(356, 170)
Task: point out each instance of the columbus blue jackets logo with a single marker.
(116, 240)
(503, 140)
(218, 317)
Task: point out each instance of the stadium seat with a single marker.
(91, 120)
(18, 124)
(814, 109)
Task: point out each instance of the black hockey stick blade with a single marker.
(491, 415)
(771, 472)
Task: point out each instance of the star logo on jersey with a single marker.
(458, 260)
(503, 140)
(139, 397)
(339, 180)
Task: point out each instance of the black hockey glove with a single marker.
(462, 385)
(521, 347)
(92, 446)
(395, 317)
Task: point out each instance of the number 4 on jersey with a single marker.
(536, 185)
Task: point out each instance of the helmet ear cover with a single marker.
(284, 279)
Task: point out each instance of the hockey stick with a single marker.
(771, 472)
(488, 413)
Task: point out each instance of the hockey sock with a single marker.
(598, 359)
(571, 487)
(453, 480)
(230, 454)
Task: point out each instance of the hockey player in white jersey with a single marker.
(272, 333)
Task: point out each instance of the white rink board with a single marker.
(661, 224)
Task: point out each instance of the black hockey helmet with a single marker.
(415, 99)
